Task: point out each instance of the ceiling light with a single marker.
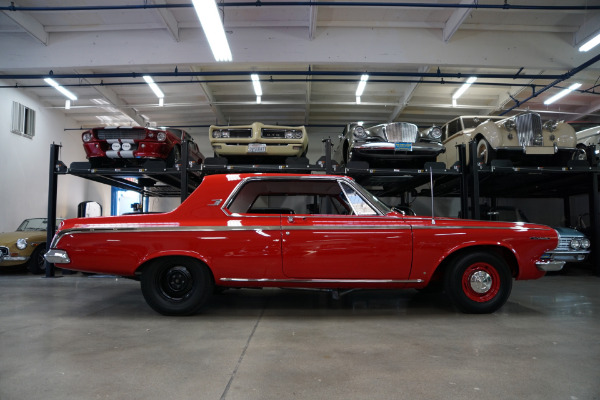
(256, 84)
(590, 44)
(357, 99)
(213, 28)
(67, 104)
(562, 93)
(461, 90)
(154, 86)
(361, 85)
(61, 89)
(258, 99)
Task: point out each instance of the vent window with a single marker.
(23, 120)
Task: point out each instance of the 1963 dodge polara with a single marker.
(302, 231)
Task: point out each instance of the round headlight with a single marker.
(21, 244)
(575, 243)
(87, 137)
(359, 132)
(435, 132)
(161, 136)
(550, 125)
(585, 243)
(510, 124)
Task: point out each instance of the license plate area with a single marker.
(257, 148)
(403, 146)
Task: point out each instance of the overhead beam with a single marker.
(28, 23)
(168, 19)
(590, 28)
(456, 20)
(408, 94)
(219, 116)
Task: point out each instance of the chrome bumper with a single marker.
(57, 257)
(433, 148)
(549, 266)
(10, 258)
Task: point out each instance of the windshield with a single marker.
(35, 224)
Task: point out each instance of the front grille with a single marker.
(564, 243)
(401, 132)
(240, 133)
(273, 133)
(112, 134)
(4, 251)
(529, 129)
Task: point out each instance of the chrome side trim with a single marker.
(322, 280)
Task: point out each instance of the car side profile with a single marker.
(302, 231)
(522, 138)
(124, 146)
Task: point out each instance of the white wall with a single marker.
(24, 165)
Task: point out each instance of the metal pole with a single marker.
(52, 190)
(328, 166)
(475, 180)
(594, 198)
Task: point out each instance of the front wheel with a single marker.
(485, 153)
(37, 264)
(478, 283)
(176, 285)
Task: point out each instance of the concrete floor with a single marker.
(78, 337)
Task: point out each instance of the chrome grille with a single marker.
(564, 243)
(4, 251)
(401, 132)
(111, 134)
(240, 133)
(529, 129)
(273, 133)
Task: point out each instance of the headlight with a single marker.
(585, 243)
(550, 125)
(359, 132)
(21, 244)
(510, 124)
(435, 132)
(87, 137)
(293, 134)
(161, 136)
(575, 243)
(220, 134)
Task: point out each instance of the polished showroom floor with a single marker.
(78, 337)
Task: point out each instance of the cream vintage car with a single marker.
(388, 144)
(588, 134)
(522, 138)
(258, 142)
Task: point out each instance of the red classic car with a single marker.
(308, 231)
(132, 146)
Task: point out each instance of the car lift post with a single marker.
(184, 170)
(328, 166)
(52, 190)
(594, 199)
(464, 181)
(474, 173)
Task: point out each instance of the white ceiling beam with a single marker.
(219, 116)
(28, 23)
(408, 94)
(587, 30)
(113, 98)
(456, 20)
(168, 19)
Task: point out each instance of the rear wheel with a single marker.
(176, 285)
(478, 283)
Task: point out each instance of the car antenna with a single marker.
(431, 190)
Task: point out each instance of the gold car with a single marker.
(523, 139)
(258, 142)
(26, 246)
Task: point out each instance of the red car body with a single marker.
(124, 146)
(308, 231)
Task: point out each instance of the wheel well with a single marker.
(138, 272)
(502, 252)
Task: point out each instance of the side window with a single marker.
(358, 204)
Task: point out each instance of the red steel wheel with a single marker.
(481, 282)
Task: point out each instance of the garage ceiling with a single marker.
(309, 57)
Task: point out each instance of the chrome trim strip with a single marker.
(322, 280)
(549, 266)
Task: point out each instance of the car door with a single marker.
(364, 245)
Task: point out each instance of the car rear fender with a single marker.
(172, 253)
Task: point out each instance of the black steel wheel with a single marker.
(37, 263)
(176, 285)
(478, 282)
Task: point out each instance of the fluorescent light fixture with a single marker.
(461, 90)
(209, 17)
(357, 99)
(67, 104)
(61, 89)
(256, 84)
(361, 85)
(562, 93)
(161, 101)
(154, 86)
(258, 99)
(590, 44)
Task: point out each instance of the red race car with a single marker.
(302, 231)
(123, 146)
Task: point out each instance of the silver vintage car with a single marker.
(389, 144)
(588, 134)
(522, 138)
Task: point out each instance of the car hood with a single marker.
(31, 236)
(562, 231)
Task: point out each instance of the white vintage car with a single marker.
(588, 134)
(258, 142)
(522, 138)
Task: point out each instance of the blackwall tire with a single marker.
(478, 283)
(176, 285)
(37, 264)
